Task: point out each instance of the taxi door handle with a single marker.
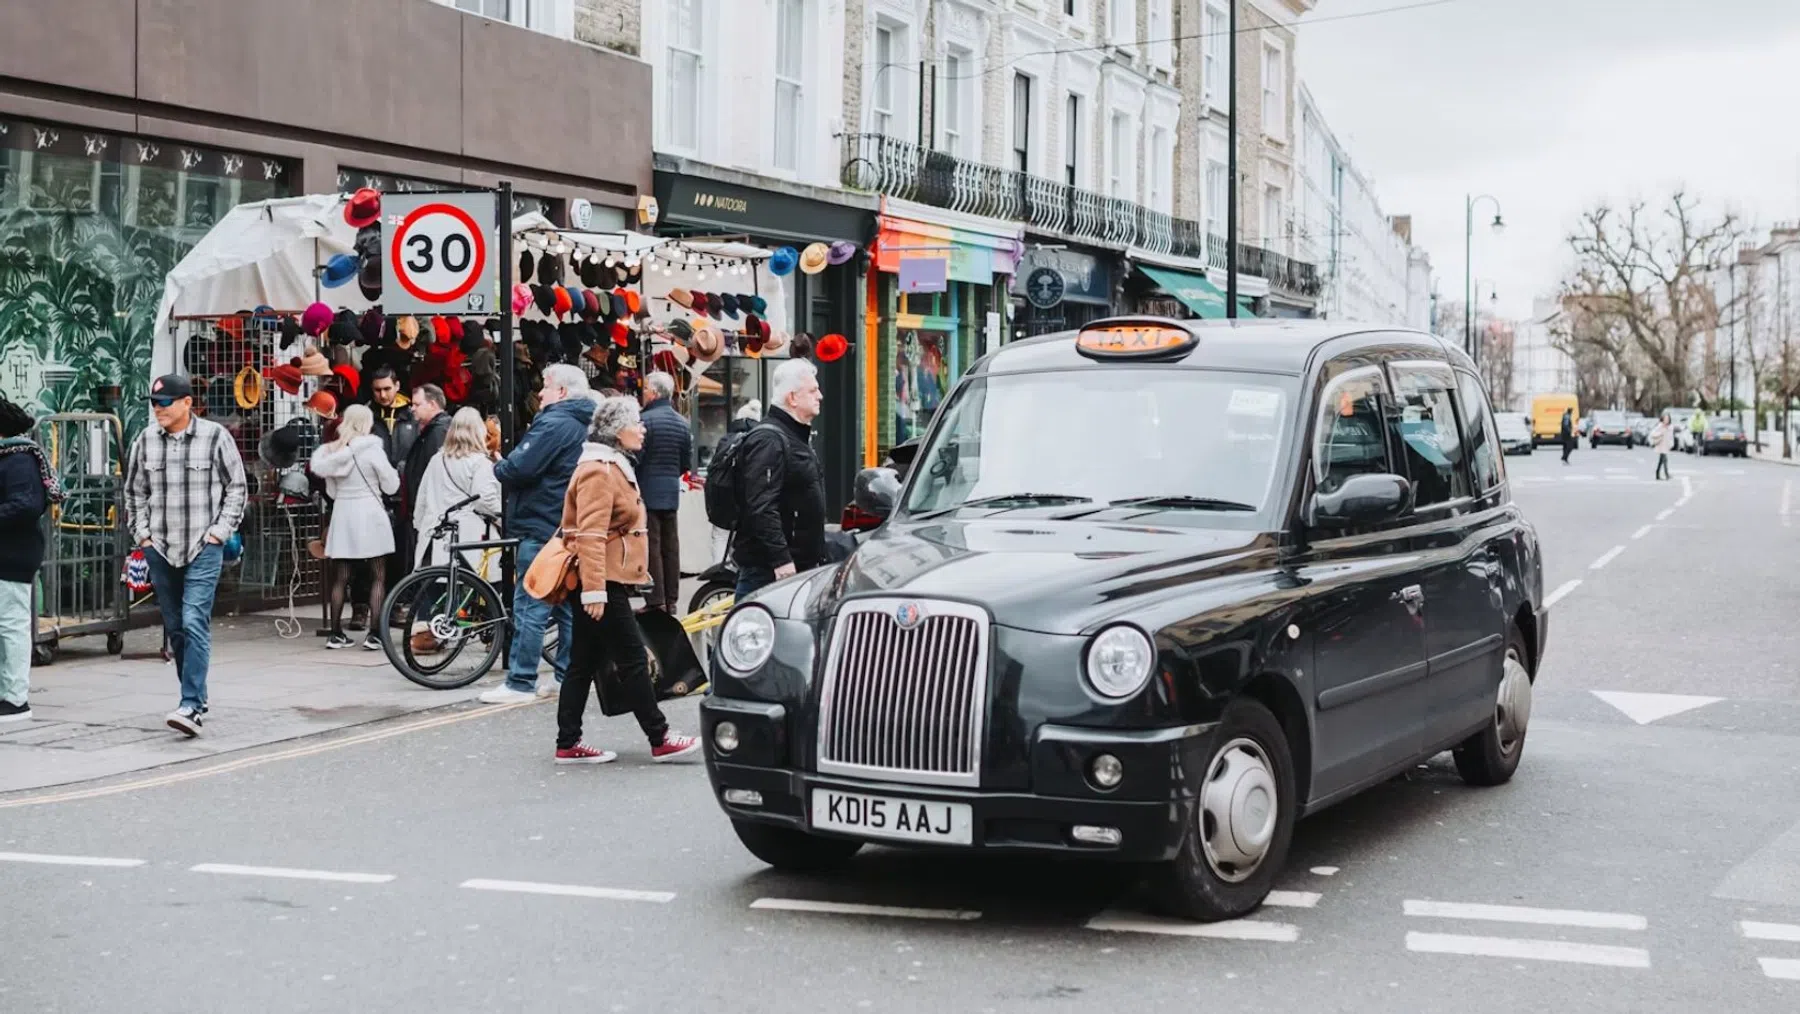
(1411, 596)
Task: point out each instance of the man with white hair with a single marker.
(668, 454)
(781, 513)
(536, 475)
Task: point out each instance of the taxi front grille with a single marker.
(905, 692)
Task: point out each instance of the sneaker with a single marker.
(186, 720)
(504, 694)
(674, 747)
(338, 639)
(549, 686)
(581, 753)
(372, 642)
(10, 712)
(359, 618)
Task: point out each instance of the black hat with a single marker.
(680, 330)
(549, 270)
(571, 342)
(368, 250)
(525, 266)
(545, 298)
(173, 385)
(280, 448)
(590, 274)
(344, 332)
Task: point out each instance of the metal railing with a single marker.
(903, 169)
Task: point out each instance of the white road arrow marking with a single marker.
(1647, 708)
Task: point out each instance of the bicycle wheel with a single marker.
(437, 642)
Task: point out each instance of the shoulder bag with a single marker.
(553, 573)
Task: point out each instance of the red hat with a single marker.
(456, 328)
(363, 208)
(316, 319)
(352, 378)
(323, 404)
(440, 328)
(832, 348)
(621, 335)
(286, 377)
(590, 304)
(564, 303)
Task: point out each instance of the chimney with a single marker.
(1402, 226)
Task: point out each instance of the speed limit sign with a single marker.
(439, 253)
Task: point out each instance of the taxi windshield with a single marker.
(1172, 439)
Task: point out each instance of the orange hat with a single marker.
(563, 303)
(633, 301)
(323, 404)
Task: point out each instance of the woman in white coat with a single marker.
(357, 476)
(462, 469)
(1662, 440)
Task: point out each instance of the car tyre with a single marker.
(794, 851)
(1492, 755)
(1249, 769)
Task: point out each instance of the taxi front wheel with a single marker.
(1243, 822)
(795, 851)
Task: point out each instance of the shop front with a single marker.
(1058, 289)
(937, 301)
(819, 240)
(1165, 291)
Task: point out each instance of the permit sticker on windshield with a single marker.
(1254, 402)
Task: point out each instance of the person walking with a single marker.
(461, 470)
(1662, 438)
(184, 496)
(536, 476)
(358, 478)
(1567, 434)
(1697, 430)
(27, 489)
(604, 524)
(667, 455)
(781, 516)
(748, 415)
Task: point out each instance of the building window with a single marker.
(1069, 7)
(1072, 149)
(1118, 182)
(517, 12)
(1159, 34)
(1274, 80)
(955, 88)
(883, 101)
(1161, 159)
(1217, 194)
(1021, 113)
(1217, 52)
(686, 37)
(1123, 17)
(1271, 226)
(790, 48)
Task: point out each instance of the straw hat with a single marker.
(814, 258)
(708, 343)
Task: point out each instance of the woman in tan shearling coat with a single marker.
(603, 523)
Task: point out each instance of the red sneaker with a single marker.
(581, 753)
(674, 747)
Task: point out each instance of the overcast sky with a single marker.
(1550, 105)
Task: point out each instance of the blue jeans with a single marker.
(531, 617)
(750, 579)
(185, 596)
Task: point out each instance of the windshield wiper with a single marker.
(1191, 503)
(1010, 500)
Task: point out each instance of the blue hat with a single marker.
(729, 303)
(339, 270)
(783, 261)
(756, 304)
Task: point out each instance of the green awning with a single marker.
(1195, 292)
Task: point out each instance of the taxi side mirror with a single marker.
(1360, 500)
(872, 501)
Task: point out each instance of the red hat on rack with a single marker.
(286, 377)
(621, 335)
(832, 347)
(363, 208)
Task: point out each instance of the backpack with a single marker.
(722, 481)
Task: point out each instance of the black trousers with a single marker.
(1568, 449)
(665, 560)
(609, 655)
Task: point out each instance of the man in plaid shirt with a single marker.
(185, 493)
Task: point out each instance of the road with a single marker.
(1645, 859)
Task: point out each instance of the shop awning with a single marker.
(1195, 291)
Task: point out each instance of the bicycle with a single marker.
(448, 610)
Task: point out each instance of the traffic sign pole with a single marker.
(508, 371)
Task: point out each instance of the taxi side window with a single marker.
(1348, 439)
(1484, 439)
(1427, 427)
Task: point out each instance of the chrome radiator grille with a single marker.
(905, 692)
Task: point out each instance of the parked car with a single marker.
(1724, 436)
(1282, 573)
(1515, 432)
(1640, 430)
(1682, 420)
(1607, 426)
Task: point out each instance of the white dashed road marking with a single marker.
(1606, 558)
(1780, 968)
(1664, 516)
(1236, 929)
(33, 857)
(1292, 899)
(846, 908)
(1640, 533)
(1562, 591)
(1531, 950)
(285, 873)
(569, 890)
(1771, 931)
(1520, 914)
(1645, 708)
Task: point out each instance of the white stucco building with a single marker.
(1539, 367)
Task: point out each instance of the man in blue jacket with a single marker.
(536, 476)
(668, 454)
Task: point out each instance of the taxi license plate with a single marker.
(887, 817)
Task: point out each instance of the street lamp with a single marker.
(1469, 264)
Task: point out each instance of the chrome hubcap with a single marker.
(1512, 707)
(1239, 805)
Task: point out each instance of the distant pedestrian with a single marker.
(1567, 434)
(184, 495)
(1662, 437)
(27, 489)
(398, 430)
(358, 478)
(463, 469)
(603, 521)
(667, 455)
(536, 476)
(781, 516)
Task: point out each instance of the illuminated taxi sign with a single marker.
(1134, 339)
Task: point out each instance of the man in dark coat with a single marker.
(668, 455)
(398, 430)
(781, 515)
(431, 408)
(27, 489)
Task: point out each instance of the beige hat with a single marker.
(814, 258)
(776, 341)
(708, 343)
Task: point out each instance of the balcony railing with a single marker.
(899, 168)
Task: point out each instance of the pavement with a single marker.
(1645, 859)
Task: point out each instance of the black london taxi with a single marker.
(1150, 592)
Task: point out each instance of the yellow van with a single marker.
(1546, 416)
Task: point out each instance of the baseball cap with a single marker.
(173, 386)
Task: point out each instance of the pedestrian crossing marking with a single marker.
(1771, 931)
(1780, 968)
(1529, 950)
(1523, 914)
(1234, 929)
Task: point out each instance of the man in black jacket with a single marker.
(26, 491)
(668, 454)
(781, 518)
(398, 430)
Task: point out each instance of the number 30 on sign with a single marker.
(439, 252)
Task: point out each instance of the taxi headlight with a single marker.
(747, 640)
(1119, 661)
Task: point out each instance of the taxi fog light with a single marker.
(1106, 771)
(725, 736)
(743, 797)
(1096, 835)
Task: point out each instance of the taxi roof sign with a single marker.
(1135, 338)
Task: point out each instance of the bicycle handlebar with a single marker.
(446, 523)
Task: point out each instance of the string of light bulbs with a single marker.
(671, 257)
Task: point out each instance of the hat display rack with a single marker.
(578, 298)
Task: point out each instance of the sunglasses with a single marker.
(160, 402)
